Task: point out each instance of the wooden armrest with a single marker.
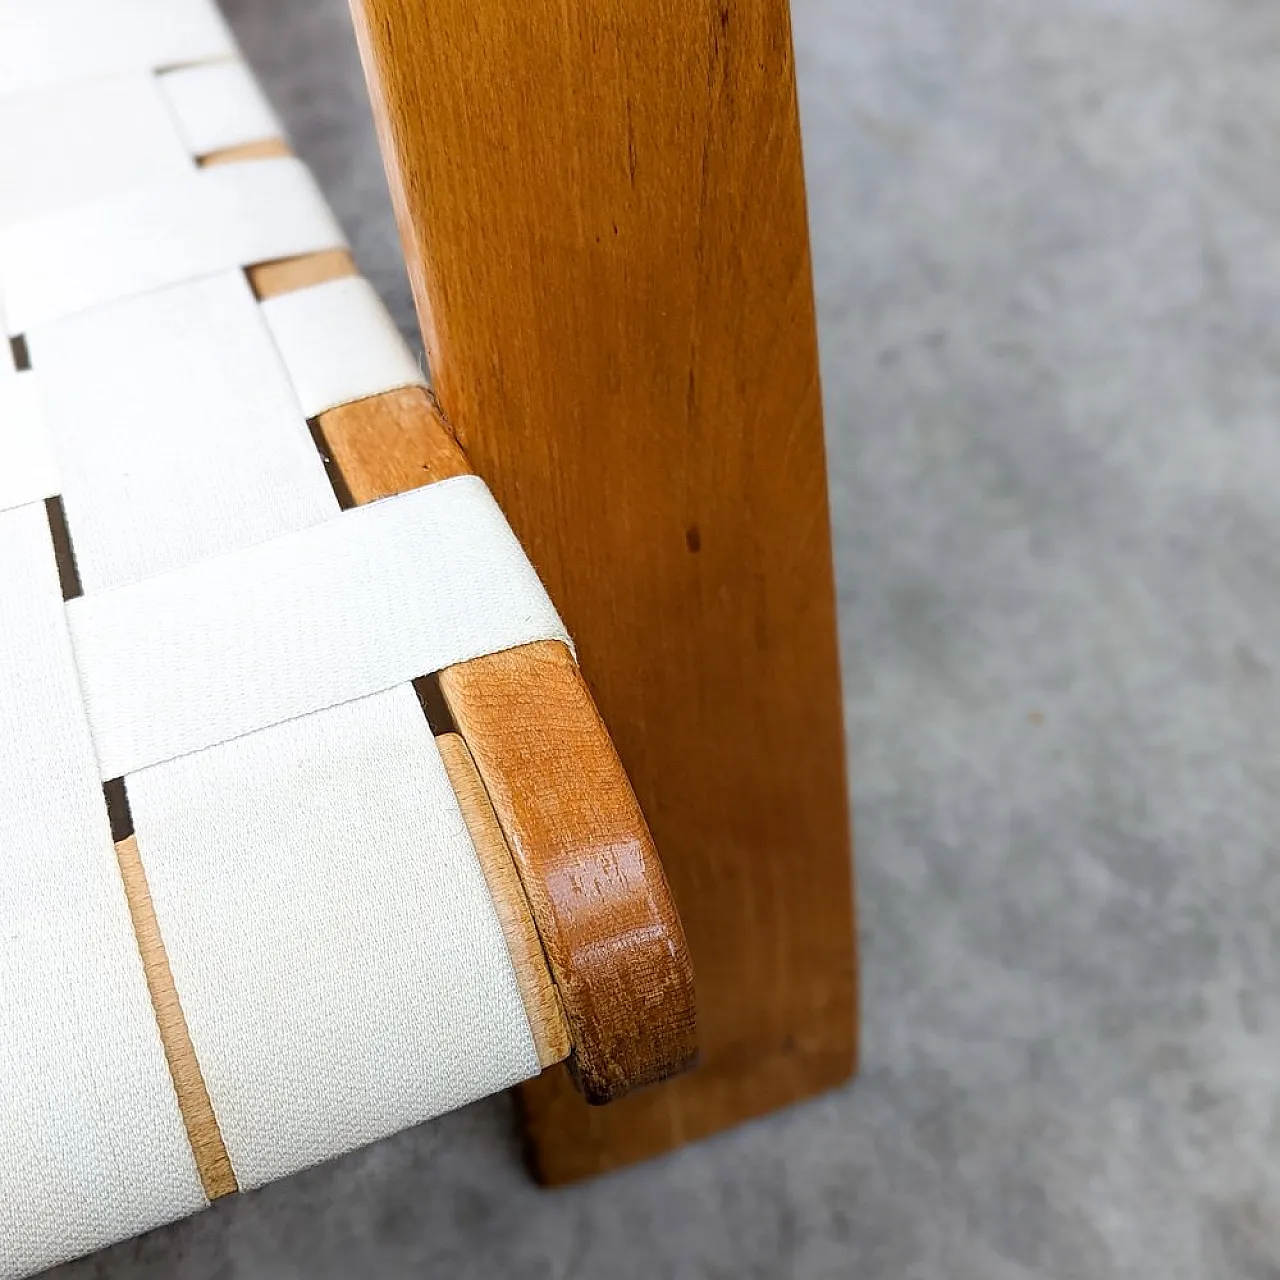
(587, 861)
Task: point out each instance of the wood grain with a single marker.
(603, 214)
(579, 842)
(212, 1162)
(587, 862)
(389, 444)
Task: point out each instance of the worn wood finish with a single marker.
(603, 213)
(610, 930)
(212, 1162)
(579, 842)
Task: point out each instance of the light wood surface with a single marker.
(287, 274)
(263, 150)
(388, 444)
(603, 214)
(538, 991)
(591, 877)
(212, 1162)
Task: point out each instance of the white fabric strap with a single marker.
(57, 42)
(92, 1144)
(332, 941)
(339, 344)
(62, 147)
(28, 470)
(341, 610)
(218, 106)
(163, 409)
(164, 233)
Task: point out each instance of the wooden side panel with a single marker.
(603, 212)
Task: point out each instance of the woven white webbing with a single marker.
(218, 105)
(239, 653)
(145, 237)
(338, 343)
(63, 147)
(331, 613)
(60, 42)
(28, 472)
(92, 1145)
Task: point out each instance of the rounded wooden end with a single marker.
(592, 876)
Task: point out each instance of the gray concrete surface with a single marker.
(1047, 246)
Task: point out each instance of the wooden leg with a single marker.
(603, 211)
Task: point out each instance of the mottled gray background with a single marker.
(1047, 243)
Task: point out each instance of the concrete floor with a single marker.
(1047, 246)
